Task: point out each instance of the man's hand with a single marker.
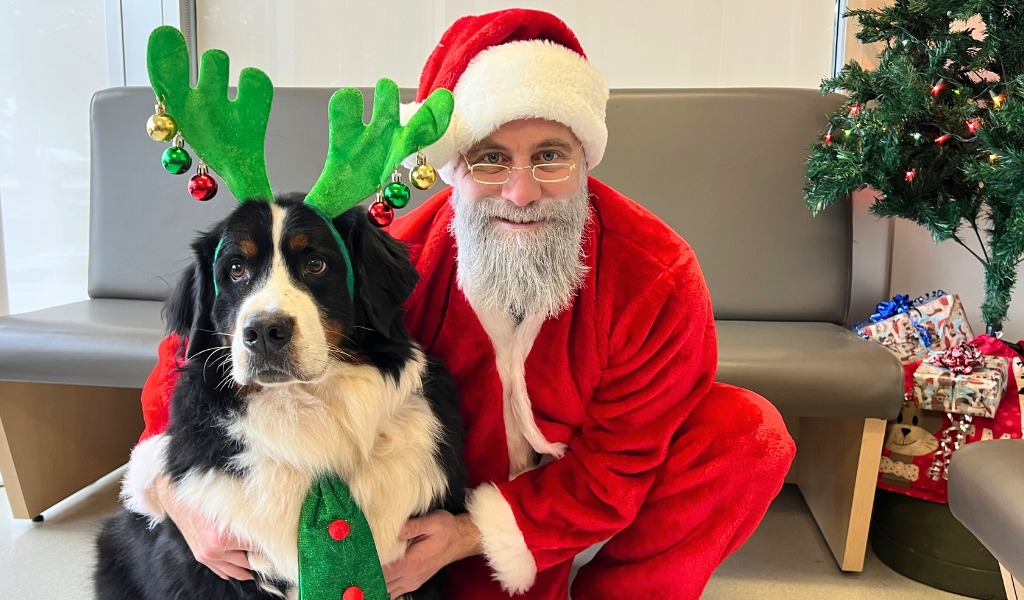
(219, 550)
(438, 539)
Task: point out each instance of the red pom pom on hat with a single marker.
(508, 65)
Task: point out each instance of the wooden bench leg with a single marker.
(57, 439)
(1014, 588)
(837, 469)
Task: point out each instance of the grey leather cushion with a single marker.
(986, 493)
(811, 369)
(96, 342)
(805, 369)
(726, 168)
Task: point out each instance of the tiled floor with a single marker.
(786, 558)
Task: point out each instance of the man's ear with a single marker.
(384, 277)
(188, 311)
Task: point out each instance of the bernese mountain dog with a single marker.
(288, 377)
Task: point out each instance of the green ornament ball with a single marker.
(396, 194)
(176, 160)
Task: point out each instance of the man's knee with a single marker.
(740, 430)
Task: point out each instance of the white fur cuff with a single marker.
(146, 464)
(503, 542)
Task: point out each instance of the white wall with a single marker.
(672, 43)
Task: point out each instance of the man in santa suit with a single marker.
(580, 331)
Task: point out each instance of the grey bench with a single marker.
(986, 494)
(723, 167)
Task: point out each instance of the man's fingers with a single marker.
(413, 528)
(391, 572)
(236, 558)
(217, 572)
(235, 572)
(397, 588)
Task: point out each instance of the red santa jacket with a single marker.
(607, 384)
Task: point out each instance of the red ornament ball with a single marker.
(338, 529)
(202, 186)
(381, 213)
(352, 593)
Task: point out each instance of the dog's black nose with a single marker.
(905, 430)
(268, 332)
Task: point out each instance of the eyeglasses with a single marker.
(492, 174)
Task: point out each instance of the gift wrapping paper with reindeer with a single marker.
(919, 443)
(911, 329)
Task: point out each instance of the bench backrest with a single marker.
(724, 167)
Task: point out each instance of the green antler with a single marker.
(227, 134)
(361, 157)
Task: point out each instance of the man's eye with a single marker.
(492, 158)
(315, 266)
(549, 156)
(237, 270)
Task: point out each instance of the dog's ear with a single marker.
(188, 310)
(384, 277)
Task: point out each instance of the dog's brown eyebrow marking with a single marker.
(248, 248)
(298, 242)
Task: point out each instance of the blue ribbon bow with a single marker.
(901, 304)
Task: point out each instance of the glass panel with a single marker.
(55, 58)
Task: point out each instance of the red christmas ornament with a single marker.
(202, 186)
(381, 213)
(352, 593)
(338, 529)
(854, 110)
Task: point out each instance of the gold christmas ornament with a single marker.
(161, 127)
(422, 176)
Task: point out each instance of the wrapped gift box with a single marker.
(899, 324)
(976, 394)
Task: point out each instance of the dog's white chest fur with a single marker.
(378, 436)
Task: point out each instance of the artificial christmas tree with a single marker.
(938, 129)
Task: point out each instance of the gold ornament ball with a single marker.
(423, 177)
(161, 128)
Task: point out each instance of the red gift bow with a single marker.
(962, 358)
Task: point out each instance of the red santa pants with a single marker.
(723, 469)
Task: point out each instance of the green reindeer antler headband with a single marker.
(229, 135)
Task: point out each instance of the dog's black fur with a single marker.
(140, 562)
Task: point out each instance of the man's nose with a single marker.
(521, 188)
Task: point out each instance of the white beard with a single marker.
(521, 273)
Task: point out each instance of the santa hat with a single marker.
(507, 65)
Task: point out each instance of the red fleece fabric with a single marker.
(680, 467)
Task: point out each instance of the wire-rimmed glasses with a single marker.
(492, 174)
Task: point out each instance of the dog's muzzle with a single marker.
(267, 336)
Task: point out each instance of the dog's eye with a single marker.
(315, 266)
(237, 270)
